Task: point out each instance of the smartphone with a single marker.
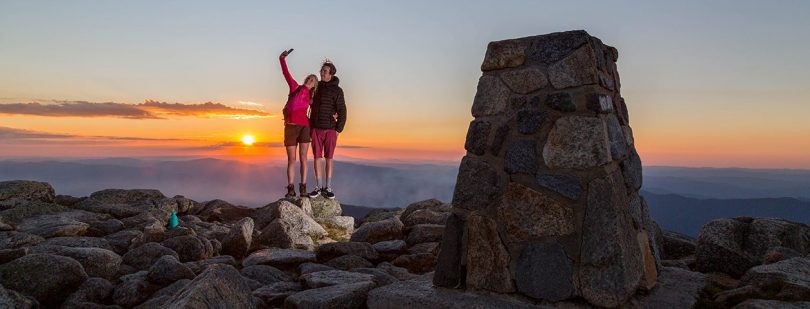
(290, 51)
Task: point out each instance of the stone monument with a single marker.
(547, 200)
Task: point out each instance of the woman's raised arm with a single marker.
(290, 80)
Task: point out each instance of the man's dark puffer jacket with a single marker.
(328, 100)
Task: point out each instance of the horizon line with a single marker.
(344, 159)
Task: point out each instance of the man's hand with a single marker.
(284, 54)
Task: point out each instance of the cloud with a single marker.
(130, 138)
(76, 109)
(353, 146)
(150, 109)
(250, 103)
(12, 133)
(225, 145)
(207, 109)
(7, 133)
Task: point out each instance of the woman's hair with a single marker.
(313, 76)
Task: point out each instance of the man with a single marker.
(327, 118)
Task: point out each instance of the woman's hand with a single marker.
(283, 54)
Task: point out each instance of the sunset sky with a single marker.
(717, 84)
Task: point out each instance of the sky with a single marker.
(717, 84)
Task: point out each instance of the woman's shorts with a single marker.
(294, 134)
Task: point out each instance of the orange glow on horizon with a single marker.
(696, 145)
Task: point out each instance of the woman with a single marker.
(296, 125)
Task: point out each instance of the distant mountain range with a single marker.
(680, 199)
(727, 183)
(686, 215)
(237, 182)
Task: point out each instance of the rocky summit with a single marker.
(546, 213)
(227, 260)
(113, 249)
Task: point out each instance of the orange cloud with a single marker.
(207, 109)
(7, 133)
(150, 109)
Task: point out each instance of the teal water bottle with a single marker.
(173, 222)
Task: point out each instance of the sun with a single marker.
(248, 139)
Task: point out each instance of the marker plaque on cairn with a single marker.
(547, 201)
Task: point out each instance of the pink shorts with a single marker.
(323, 142)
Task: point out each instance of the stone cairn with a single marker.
(546, 203)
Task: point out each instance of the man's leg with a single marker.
(317, 154)
(318, 164)
(330, 142)
(329, 172)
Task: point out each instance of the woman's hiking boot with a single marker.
(290, 191)
(302, 188)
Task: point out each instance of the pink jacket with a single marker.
(298, 104)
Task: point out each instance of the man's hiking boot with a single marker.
(315, 193)
(290, 191)
(327, 192)
(302, 188)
